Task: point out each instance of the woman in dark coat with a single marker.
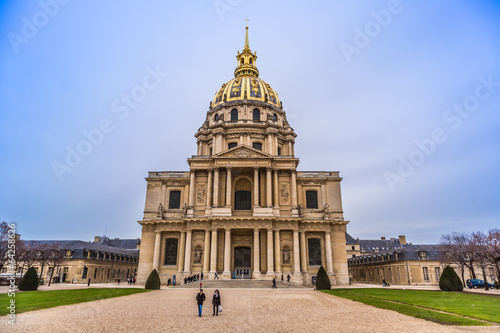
(216, 302)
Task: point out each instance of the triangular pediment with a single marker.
(242, 152)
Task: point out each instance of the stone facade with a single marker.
(243, 210)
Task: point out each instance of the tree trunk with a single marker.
(463, 277)
(471, 268)
(485, 279)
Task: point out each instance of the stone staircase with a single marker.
(237, 283)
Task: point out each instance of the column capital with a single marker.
(256, 168)
(227, 229)
(269, 168)
(216, 168)
(229, 167)
(256, 229)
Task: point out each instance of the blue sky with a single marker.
(401, 97)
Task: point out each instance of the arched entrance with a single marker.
(242, 263)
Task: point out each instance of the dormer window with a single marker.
(422, 255)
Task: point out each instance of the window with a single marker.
(232, 145)
(69, 254)
(437, 270)
(84, 275)
(314, 245)
(279, 151)
(311, 199)
(171, 251)
(234, 115)
(242, 200)
(256, 115)
(353, 248)
(426, 274)
(95, 273)
(422, 255)
(275, 117)
(109, 269)
(210, 151)
(257, 145)
(175, 200)
(216, 117)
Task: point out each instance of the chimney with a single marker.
(96, 239)
(402, 239)
(382, 238)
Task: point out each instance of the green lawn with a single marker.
(473, 306)
(37, 300)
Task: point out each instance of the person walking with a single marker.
(274, 283)
(216, 303)
(200, 298)
(216, 276)
(288, 278)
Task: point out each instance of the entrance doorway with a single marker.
(242, 263)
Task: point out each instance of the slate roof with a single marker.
(409, 252)
(379, 245)
(80, 246)
(118, 242)
(349, 240)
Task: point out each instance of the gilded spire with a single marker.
(246, 60)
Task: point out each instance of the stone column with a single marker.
(294, 188)
(276, 190)
(296, 252)
(328, 248)
(182, 251)
(290, 147)
(303, 262)
(277, 252)
(192, 188)
(269, 189)
(256, 253)
(227, 253)
(156, 255)
(216, 188)
(206, 252)
(209, 189)
(339, 254)
(255, 186)
(213, 252)
(228, 187)
(270, 265)
(187, 256)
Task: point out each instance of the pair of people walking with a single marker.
(216, 303)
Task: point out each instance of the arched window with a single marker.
(275, 117)
(256, 115)
(216, 117)
(243, 195)
(175, 200)
(311, 199)
(234, 115)
(232, 145)
(257, 145)
(279, 151)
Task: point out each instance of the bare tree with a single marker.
(29, 254)
(493, 250)
(480, 244)
(42, 256)
(55, 259)
(454, 250)
(4, 245)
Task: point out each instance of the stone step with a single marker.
(260, 284)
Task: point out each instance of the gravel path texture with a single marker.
(245, 310)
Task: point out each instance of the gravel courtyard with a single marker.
(245, 310)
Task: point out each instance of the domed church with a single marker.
(243, 211)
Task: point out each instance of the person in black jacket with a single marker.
(200, 298)
(216, 302)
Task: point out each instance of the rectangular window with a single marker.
(437, 270)
(175, 200)
(426, 274)
(232, 145)
(311, 199)
(314, 251)
(171, 251)
(84, 275)
(257, 145)
(95, 273)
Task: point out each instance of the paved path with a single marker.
(245, 310)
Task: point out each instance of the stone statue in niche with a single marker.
(286, 256)
(326, 211)
(284, 195)
(300, 208)
(184, 210)
(201, 194)
(160, 210)
(197, 255)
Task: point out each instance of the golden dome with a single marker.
(246, 85)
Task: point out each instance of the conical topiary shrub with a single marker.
(153, 281)
(450, 281)
(30, 280)
(322, 280)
